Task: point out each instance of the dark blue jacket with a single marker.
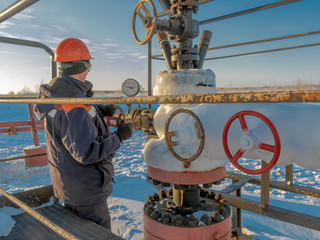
(80, 148)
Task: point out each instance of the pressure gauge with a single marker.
(130, 87)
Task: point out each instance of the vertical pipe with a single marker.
(53, 68)
(149, 70)
(33, 125)
(265, 186)
(166, 48)
(236, 212)
(289, 175)
(203, 47)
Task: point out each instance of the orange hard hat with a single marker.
(72, 49)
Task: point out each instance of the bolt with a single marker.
(211, 195)
(195, 10)
(203, 203)
(217, 183)
(149, 210)
(223, 211)
(206, 219)
(155, 182)
(162, 194)
(155, 214)
(193, 221)
(165, 218)
(203, 192)
(216, 217)
(155, 197)
(187, 164)
(165, 184)
(218, 197)
(208, 185)
(178, 220)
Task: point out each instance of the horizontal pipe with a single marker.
(18, 124)
(22, 157)
(312, 192)
(266, 40)
(282, 214)
(39, 217)
(15, 8)
(266, 51)
(251, 10)
(242, 97)
(21, 129)
(53, 67)
(28, 43)
(252, 42)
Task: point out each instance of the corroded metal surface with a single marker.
(243, 97)
(186, 178)
(169, 135)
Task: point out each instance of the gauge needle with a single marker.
(130, 87)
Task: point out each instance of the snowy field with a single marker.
(131, 188)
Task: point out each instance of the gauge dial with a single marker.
(130, 87)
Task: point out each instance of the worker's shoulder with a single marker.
(68, 107)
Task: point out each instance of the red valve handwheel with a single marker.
(148, 21)
(275, 149)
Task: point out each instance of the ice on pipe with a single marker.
(296, 123)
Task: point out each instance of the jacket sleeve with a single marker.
(81, 138)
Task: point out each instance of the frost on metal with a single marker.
(296, 123)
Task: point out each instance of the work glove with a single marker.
(124, 131)
(107, 110)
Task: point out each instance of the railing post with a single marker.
(33, 125)
(149, 70)
(289, 175)
(265, 186)
(236, 212)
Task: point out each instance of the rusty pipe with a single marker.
(203, 47)
(166, 48)
(243, 97)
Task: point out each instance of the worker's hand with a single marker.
(124, 131)
(107, 110)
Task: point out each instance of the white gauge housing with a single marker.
(130, 87)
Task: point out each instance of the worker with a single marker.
(79, 147)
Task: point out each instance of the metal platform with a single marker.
(27, 227)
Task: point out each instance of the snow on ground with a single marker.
(131, 188)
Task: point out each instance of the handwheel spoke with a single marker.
(267, 147)
(140, 15)
(143, 7)
(238, 155)
(243, 123)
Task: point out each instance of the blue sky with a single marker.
(106, 28)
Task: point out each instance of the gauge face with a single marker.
(130, 87)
